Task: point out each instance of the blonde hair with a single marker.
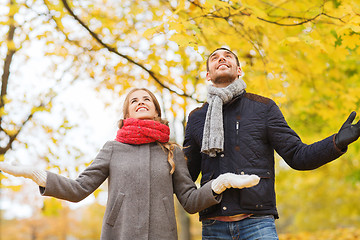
(166, 147)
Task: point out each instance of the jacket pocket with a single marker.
(115, 209)
(261, 196)
(170, 212)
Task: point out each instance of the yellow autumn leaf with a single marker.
(209, 4)
(180, 39)
(11, 45)
(14, 8)
(151, 31)
(351, 41)
(52, 207)
(97, 192)
(258, 12)
(181, 6)
(355, 28)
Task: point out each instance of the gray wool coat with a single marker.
(141, 190)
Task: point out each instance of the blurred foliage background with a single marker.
(65, 63)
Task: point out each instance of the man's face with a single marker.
(223, 68)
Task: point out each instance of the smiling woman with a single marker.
(144, 171)
(142, 104)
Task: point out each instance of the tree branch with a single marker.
(12, 137)
(7, 62)
(303, 20)
(290, 25)
(113, 50)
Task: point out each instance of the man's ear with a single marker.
(208, 78)
(239, 72)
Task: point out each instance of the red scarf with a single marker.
(137, 131)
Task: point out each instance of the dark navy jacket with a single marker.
(253, 128)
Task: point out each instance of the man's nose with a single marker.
(221, 59)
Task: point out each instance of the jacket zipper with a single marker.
(237, 133)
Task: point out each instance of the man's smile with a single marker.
(223, 65)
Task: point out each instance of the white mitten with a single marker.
(38, 176)
(231, 180)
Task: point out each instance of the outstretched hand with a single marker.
(15, 170)
(38, 176)
(231, 180)
(348, 133)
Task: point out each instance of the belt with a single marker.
(233, 218)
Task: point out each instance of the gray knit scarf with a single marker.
(213, 135)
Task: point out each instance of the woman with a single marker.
(143, 171)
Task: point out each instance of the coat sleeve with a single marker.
(87, 182)
(289, 146)
(192, 151)
(193, 199)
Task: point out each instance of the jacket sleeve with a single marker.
(88, 181)
(193, 199)
(289, 146)
(192, 151)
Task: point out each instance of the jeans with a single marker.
(251, 228)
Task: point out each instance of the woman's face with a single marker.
(141, 106)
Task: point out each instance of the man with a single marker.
(236, 131)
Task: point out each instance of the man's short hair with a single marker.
(221, 48)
